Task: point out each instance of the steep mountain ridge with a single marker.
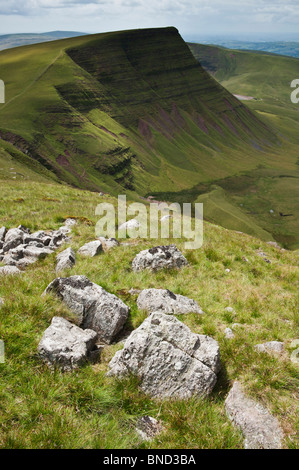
(129, 110)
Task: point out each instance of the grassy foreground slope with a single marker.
(85, 409)
(267, 191)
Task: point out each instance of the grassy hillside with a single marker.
(85, 409)
(264, 193)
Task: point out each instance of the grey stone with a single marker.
(148, 428)
(65, 260)
(168, 358)
(229, 334)
(3, 231)
(66, 345)
(159, 257)
(260, 429)
(70, 222)
(153, 300)
(130, 224)
(9, 271)
(91, 249)
(95, 308)
(108, 243)
(276, 347)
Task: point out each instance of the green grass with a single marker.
(85, 409)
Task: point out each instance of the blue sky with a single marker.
(235, 18)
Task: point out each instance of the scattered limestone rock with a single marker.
(91, 249)
(9, 271)
(260, 429)
(168, 358)
(3, 231)
(95, 308)
(70, 222)
(66, 345)
(148, 428)
(159, 257)
(229, 334)
(163, 300)
(1, 302)
(276, 347)
(108, 243)
(65, 260)
(13, 238)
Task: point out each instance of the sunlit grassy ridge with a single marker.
(134, 111)
(41, 409)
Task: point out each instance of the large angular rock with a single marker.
(65, 260)
(159, 257)
(168, 358)
(66, 345)
(260, 429)
(163, 300)
(91, 249)
(95, 308)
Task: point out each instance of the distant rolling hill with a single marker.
(134, 112)
(7, 41)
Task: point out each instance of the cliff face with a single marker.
(131, 110)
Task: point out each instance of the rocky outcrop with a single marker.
(260, 429)
(163, 300)
(66, 345)
(158, 258)
(108, 243)
(168, 358)
(95, 308)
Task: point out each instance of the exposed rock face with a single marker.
(154, 300)
(275, 347)
(260, 429)
(95, 308)
(169, 359)
(65, 260)
(159, 257)
(66, 345)
(91, 248)
(148, 428)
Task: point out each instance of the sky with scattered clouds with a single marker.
(277, 18)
